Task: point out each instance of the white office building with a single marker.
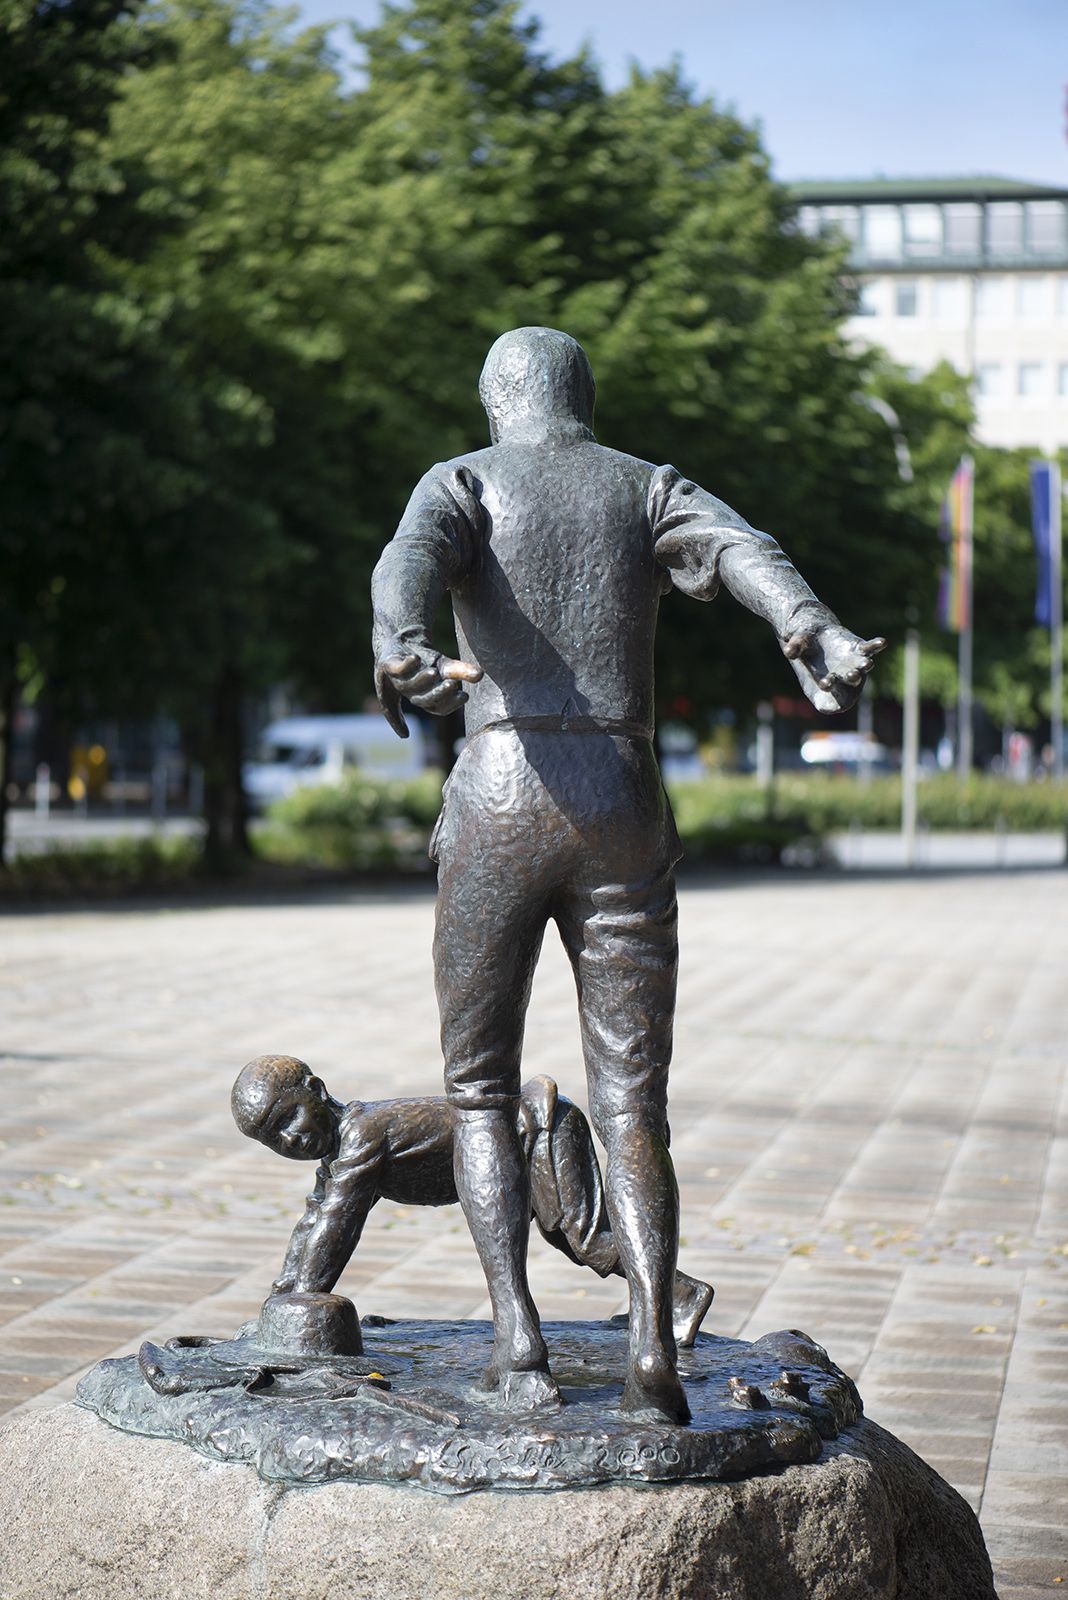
(969, 270)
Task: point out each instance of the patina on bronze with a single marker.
(556, 552)
(410, 1408)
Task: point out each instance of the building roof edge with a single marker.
(871, 191)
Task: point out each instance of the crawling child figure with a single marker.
(402, 1150)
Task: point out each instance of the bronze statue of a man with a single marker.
(556, 552)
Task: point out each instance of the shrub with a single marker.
(718, 816)
(361, 822)
(116, 866)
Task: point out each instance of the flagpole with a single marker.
(964, 704)
(1056, 625)
(964, 648)
(910, 746)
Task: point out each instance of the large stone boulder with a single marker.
(90, 1512)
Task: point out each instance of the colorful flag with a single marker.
(955, 530)
(1041, 527)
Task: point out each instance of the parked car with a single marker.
(843, 749)
(299, 751)
(680, 759)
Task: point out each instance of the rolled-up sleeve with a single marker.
(436, 543)
(702, 543)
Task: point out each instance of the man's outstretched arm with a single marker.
(433, 547)
(703, 543)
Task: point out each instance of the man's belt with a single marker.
(557, 722)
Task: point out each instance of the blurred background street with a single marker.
(868, 1108)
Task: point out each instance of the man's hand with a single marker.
(831, 665)
(428, 679)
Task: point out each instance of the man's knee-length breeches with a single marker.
(574, 827)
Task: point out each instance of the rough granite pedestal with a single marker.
(88, 1511)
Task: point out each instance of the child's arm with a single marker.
(330, 1228)
(285, 1280)
(330, 1241)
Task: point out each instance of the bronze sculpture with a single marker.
(402, 1150)
(556, 552)
(310, 1393)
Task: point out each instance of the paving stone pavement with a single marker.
(868, 1110)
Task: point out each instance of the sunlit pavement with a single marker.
(869, 1127)
(941, 849)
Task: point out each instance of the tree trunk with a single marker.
(7, 743)
(448, 729)
(226, 843)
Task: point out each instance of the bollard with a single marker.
(159, 789)
(196, 789)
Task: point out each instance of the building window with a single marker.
(1062, 297)
(963, 229)
(1045, 227)
(1004, 228)
(1031, 296)
(882, 233)
(908, 297)
(1030, 378)
(808, 220)
(869, 298)
(1062, 379)
(990, 297)
(950, 300)
(841, 219)
(988, 378)
(923, 230)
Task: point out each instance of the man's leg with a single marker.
(494, 1190)
(624, 950)
(488, 935)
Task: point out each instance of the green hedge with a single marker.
(364, 823)
(367, 823)
(718, 815)
(359, 823)
(106, 868)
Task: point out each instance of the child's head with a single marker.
(279, 1101)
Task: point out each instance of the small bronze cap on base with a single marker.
(297, 1330)
(310, 1324)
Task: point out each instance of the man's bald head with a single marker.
(259, 1085)
(537, 380)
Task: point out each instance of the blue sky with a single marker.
(846, 88)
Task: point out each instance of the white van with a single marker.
(299, 751)
(842, 748)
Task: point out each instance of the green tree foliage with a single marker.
(1012, 655)
(646, 224)
(251, 305)
(85, 460)
(347, 259)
